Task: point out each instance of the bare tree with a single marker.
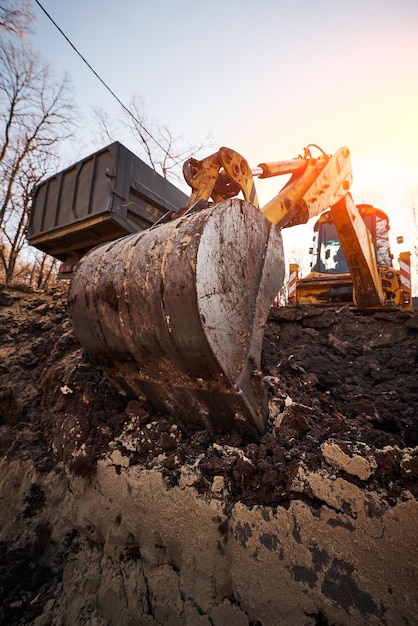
(36, 113)
(164, 151)
(15, 17)
(43, 271)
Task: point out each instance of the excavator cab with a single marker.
(329, 254)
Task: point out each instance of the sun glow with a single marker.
(387, 185)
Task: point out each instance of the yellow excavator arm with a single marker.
(315, 183)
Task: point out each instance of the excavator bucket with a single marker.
(175, 315)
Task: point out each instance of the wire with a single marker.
(124, 107)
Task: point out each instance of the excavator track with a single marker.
(175, 315)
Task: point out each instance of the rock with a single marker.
(355, 465)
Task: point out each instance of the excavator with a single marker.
(174, 314)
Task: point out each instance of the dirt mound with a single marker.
(343, 394)
(332, 376)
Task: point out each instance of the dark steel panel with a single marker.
(107, 195)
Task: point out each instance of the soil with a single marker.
(342, 386)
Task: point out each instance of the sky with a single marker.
(265, 79)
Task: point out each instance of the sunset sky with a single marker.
(263, 78)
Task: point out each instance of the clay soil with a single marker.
(333, 376)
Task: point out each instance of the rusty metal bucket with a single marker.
(175, 315)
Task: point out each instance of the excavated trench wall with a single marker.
(125, 549)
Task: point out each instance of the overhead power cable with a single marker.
(124, 107)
